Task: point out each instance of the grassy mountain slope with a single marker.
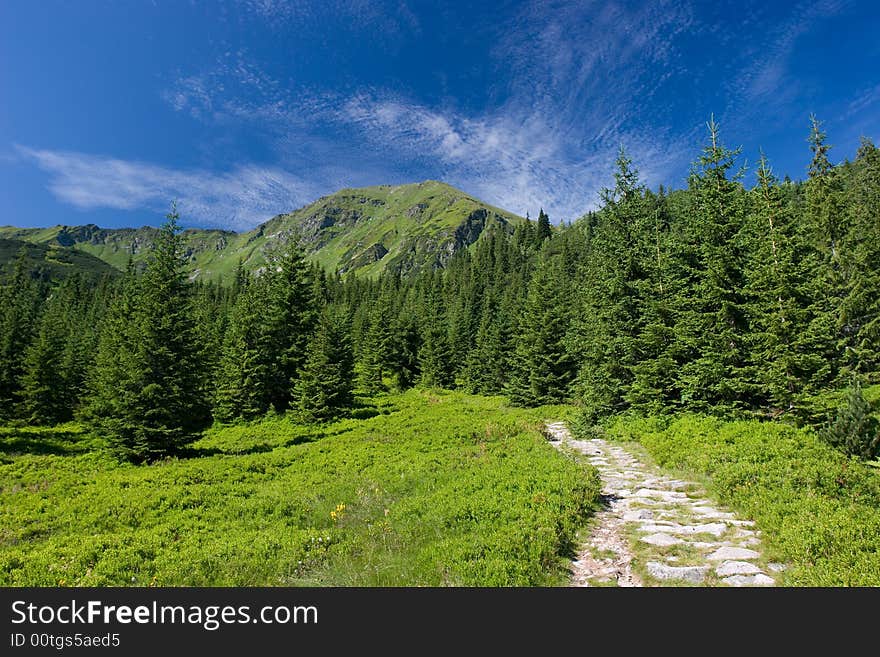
(407, 227)
(367, 230)
(50, 260)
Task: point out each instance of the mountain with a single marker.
(51, 261)
(366, 230)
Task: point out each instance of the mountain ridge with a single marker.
(366, 230)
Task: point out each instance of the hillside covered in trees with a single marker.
(741, 295)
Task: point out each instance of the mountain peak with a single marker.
(366, 230)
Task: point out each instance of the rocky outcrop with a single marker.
(371, 254)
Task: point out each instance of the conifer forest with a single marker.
(737, 299)
(741, 299)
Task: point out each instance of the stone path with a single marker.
(667, 526)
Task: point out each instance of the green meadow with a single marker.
(418, 489)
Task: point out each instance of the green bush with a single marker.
(855, 431)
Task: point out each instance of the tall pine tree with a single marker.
(146, 394)
(324, 389)
(713, 322)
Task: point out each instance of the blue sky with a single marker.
(244, 109)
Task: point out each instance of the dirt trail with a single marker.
(657, 530)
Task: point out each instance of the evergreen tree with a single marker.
(86, 307)
(544, 231)
(825, 226)
(542, 366)
(777, 282)
(860, 309)
(290, 317)
(145, 390)
(324, 389)
(713, 321)
(656, 356)
(19, 310)
(406, 345)
(435, 367)
(242, 376)
(855, 430)
(604, 337)
(48, 386)
(377, 352)
(488, 363)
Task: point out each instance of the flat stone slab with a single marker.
(728, 553)
(749, 580)
(661, 540)
(665, 495)
(706, 545)
(714, 514)
(777, 567)
(714, 528)
(736, 568)
(685, 530)
(655, 527)
(743, 523)
(692, 574)
(641, 514)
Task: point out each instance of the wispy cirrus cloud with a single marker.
(550, 143)
(515, 160)
(388, 21)
(237, 199)
(863, 101)
(765, 75)
(562, 85)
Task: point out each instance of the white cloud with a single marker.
(862, 101)
(573, 82)
(517, 161)
(237, 200)
(764, 82)
(574, 70)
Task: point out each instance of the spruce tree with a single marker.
(19, 309)
(403, 362)
(713, 322)
(604, 337)
(146, 397)
(542, 366)
(855, 430)
(488, 364)
(777, 282)
(435, 357)
(324, 389)
(289, 316)
(656, 358)
(825, 227)
(48, 387)
(242, 376)
(377, 352)
(544, 232)
(860, 308)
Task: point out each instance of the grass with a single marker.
(386, 217)
(819, 511)
(427, 488)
